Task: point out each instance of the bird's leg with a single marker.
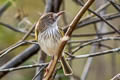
(48, 67)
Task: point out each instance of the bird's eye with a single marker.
(50, 16)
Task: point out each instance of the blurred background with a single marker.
(22, 14)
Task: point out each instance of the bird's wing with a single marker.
(61, 32)
(39, 27)
(37, 30)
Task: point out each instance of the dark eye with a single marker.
(50, 17)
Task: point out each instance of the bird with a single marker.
(49, 34)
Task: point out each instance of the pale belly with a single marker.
(49, 45)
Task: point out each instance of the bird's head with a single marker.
(50, 19)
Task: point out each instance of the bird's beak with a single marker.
(59, 14)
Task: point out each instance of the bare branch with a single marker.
(114, 5)
(67, 34)
(40, 70)
(116, 77)
(103, 19)
(95, 20)
(5, 6)
(19, 59)
(12, 48)
(28, 33)
(23, 67)
(94, 41)
(111, 51)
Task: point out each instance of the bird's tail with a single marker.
(66, 67)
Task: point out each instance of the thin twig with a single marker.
(106, 46)
(28, 33)
(9, 47)
(93, 34)
(5, 6)
(80, 2)
(14, 29)
(12, 48)
(114, 5)
(88, 63)
(19, 59)
(94, 41)
(11, 27)
(39, 72)
(16, 46)
(116, 77)
(103, 19)
(95, 20)
(111, 51)
(23, 67)
(19, 43)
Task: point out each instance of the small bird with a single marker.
(49, 35)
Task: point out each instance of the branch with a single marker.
(116, 77)
(20, 58)
(80, 2)
(11, 48)
(5, 6)
(111, 51)
(18, 43)
(88, 21)
(40, 70)
(103, 19)
(51, 6)
(93, 34)
(95, 20)
(95, 41)
(23, 67)
(28, 33)
(114, 5)
(64, 40)
(14, 46)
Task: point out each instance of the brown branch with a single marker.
(80, 25)
(64, 40)
(51, 6)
